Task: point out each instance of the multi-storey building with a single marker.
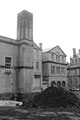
(74, 71)
(20, 59)
(54, 67)
(37, 68)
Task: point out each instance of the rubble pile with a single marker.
(54, 97)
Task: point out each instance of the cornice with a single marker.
(54, 62)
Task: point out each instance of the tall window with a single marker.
(58, 70)
(57, 58)
(37, 65)
(70, 83)
(37, 54)
(52, 69)
(62, 70)
(8, 62)
(52, 56)
(75, 71)
(62, 59)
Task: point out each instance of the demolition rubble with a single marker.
(53, 97)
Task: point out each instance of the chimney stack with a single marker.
(74, 52)
(40, 44)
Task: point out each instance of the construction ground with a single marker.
(16, 113)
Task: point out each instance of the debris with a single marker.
(54, 97)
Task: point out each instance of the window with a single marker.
(58, 70)
(52, 55)
(71, 60)
(52, 69)
(75, 60)
(37, 65)
(63, 84)
(37, 54)
(58, 84)
(53, 84)
(75, 82)
(37, 76)
(63, 70)
(62, 59)
(45, 80)
(8, 62)
(57, 58)
(70, 83)
(75, 71)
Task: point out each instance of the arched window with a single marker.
(58, 84)
(53, 84)
(63, 84)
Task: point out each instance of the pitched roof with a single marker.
(47, 50)
(50, 49)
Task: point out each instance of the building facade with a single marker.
(21, 59)
(74, 71)
(54, 67)
(37, 68)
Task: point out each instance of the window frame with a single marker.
(63, 59)
(63, 70)
(53, 70)
(7, 62)
(52, 56)
(37, 65)
(58, 70)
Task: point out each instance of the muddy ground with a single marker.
(17, 113)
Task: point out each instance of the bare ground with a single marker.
(16, 113)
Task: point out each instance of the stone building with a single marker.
(74, 71)
(20, 59)
(54, 67)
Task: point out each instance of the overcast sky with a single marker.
(56, 22)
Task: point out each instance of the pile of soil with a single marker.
(54, 97)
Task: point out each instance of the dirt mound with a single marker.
(54, 97)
